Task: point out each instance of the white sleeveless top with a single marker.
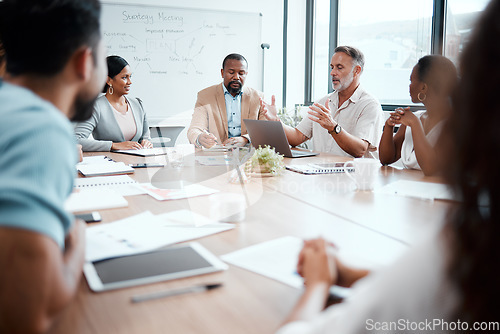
(126, 123)
(408, 157)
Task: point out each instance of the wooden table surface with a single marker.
(373, 227)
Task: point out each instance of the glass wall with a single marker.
(393, 35)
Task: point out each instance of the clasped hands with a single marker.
(318, 264)
(401, 116)
(131, 145)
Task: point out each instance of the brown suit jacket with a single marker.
(210, 112)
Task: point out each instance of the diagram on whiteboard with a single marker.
(175, 52)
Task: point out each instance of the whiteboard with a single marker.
(176, 52)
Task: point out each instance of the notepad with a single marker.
(108, 168)
(94, 199)
(326, 168)
(144, 152)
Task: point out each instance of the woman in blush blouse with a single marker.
(431, 83)
(118, 122)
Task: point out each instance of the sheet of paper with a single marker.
(215, 160)
(94, 199)
(416, 189)
(96, 159)
(108, 168)
(122, 184)
(192, 190)
(145, 232)
(276, 259)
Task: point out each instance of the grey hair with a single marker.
(357, 56)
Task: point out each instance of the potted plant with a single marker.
(266, 160)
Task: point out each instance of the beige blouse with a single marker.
(126, 123)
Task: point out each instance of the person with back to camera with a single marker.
(446, 280)
(42, 246)
(2, 60)
(118, 122)
(432, 81)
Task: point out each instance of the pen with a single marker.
(208, 133)
(171, 293)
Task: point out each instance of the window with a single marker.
(460, 18)
(393, 35)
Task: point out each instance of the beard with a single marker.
(83, 109)
(342, 85)
(233, 90)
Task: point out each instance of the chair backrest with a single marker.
(164, 135)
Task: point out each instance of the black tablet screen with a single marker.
(161, 262)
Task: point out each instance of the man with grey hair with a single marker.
(347, 122)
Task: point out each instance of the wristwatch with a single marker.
(336, 129)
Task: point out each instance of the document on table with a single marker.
(144, 152)
(95, 159)
(122, 184)
(276, 259)
(145, 232)
(213, 160)
(94, 199)
(191, 190)
(105, 168)
(416, 189)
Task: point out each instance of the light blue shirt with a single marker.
(37, 164)
(233, 110)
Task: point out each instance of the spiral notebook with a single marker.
(326, 168)
(122, 184)
(103, 181)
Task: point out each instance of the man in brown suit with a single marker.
(220, 109)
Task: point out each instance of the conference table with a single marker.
(369, 228)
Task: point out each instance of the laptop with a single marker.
(271, 133)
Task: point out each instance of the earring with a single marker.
(421, 99)
(110, 90)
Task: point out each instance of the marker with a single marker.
(171, 293)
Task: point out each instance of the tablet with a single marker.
(160, 265)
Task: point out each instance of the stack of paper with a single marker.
(145, 232)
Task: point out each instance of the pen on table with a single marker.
(171, 293)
